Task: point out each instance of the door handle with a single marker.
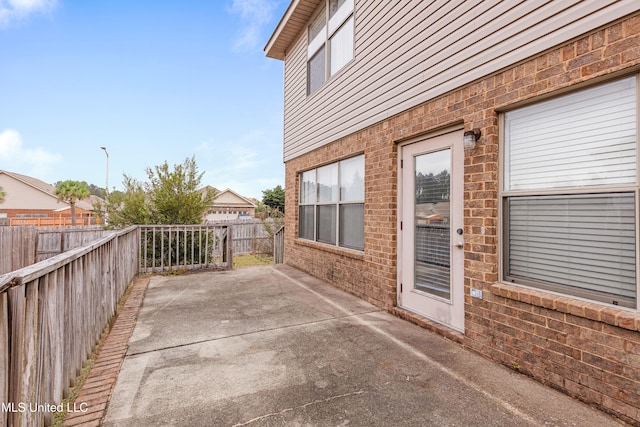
(460, 245)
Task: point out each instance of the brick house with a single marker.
(30, 201)
(472, 167)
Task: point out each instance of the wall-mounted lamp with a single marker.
(470, 138)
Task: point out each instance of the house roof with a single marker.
(227, 197)
(33, 182)
(230, 197)
(295, 19)
(47, 189)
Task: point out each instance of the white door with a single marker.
(431, 252)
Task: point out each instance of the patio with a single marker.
(273, 346)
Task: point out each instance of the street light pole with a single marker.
(106, 190)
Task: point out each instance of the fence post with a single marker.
(229, 248)
(278, 246)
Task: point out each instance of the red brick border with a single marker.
(91, 403)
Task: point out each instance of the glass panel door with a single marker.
(431, 240)
(432, 223)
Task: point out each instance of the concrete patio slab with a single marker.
(273, 346)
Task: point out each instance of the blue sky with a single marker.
(153, 81)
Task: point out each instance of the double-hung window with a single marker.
(330, 42)
(570, 194)
(331, 208)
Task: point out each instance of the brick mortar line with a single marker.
(126, 318)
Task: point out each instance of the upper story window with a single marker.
(329, 47)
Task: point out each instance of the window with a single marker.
(331, 206)
(329, 47)
(570, 194)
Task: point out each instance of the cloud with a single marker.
(247, 165)
(255, 15)
(36, 162)
(12, 11)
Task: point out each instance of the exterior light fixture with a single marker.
(470, 138)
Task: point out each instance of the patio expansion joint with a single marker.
(296, 325)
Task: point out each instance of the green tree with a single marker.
(128, 207)
(170, 196)
(173, 195)
(3, 194)
(70, 192)
(274, 198)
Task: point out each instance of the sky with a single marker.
(152, 81)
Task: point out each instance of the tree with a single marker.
(168, 197)
(173, 195)
(274, 198)
(3, 194)
(70, 192)
(128, 207)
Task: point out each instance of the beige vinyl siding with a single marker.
(411, 51)
(295, 82)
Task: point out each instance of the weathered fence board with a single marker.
(278, 246)
(17, 247)
(4, 356)
(249, 237)
(52, 315)
(54, 241)
(21, 246)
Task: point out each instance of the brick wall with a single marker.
(587, 350)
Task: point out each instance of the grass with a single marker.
(242, 261)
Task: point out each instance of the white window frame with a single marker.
(340, 21)
(606, 189)
(314, 203)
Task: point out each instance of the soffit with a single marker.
(295, 19)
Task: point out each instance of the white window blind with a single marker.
(570, 189)
(578, 244)
(583, 139)
(342, 46)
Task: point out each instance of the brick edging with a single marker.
(91, 404)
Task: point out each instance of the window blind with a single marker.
(342, 46)
(583, 245)
(583, 139)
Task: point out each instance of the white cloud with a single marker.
(12, 11)
(254, 14)
(36, 162)
(247, 165)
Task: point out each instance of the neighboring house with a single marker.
(32, 201)
(229, 205)
(472, 166)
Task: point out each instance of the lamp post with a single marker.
(106, 190)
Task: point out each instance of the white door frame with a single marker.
(449, 313)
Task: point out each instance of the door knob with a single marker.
(459, 245)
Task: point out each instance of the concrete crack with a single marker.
(284, 411)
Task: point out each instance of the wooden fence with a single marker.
(59, 221)
(17, 247)
(177, 247)
(278, 246)
(52, 314)
(250, 237)
(56, 240)
(21, 246)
